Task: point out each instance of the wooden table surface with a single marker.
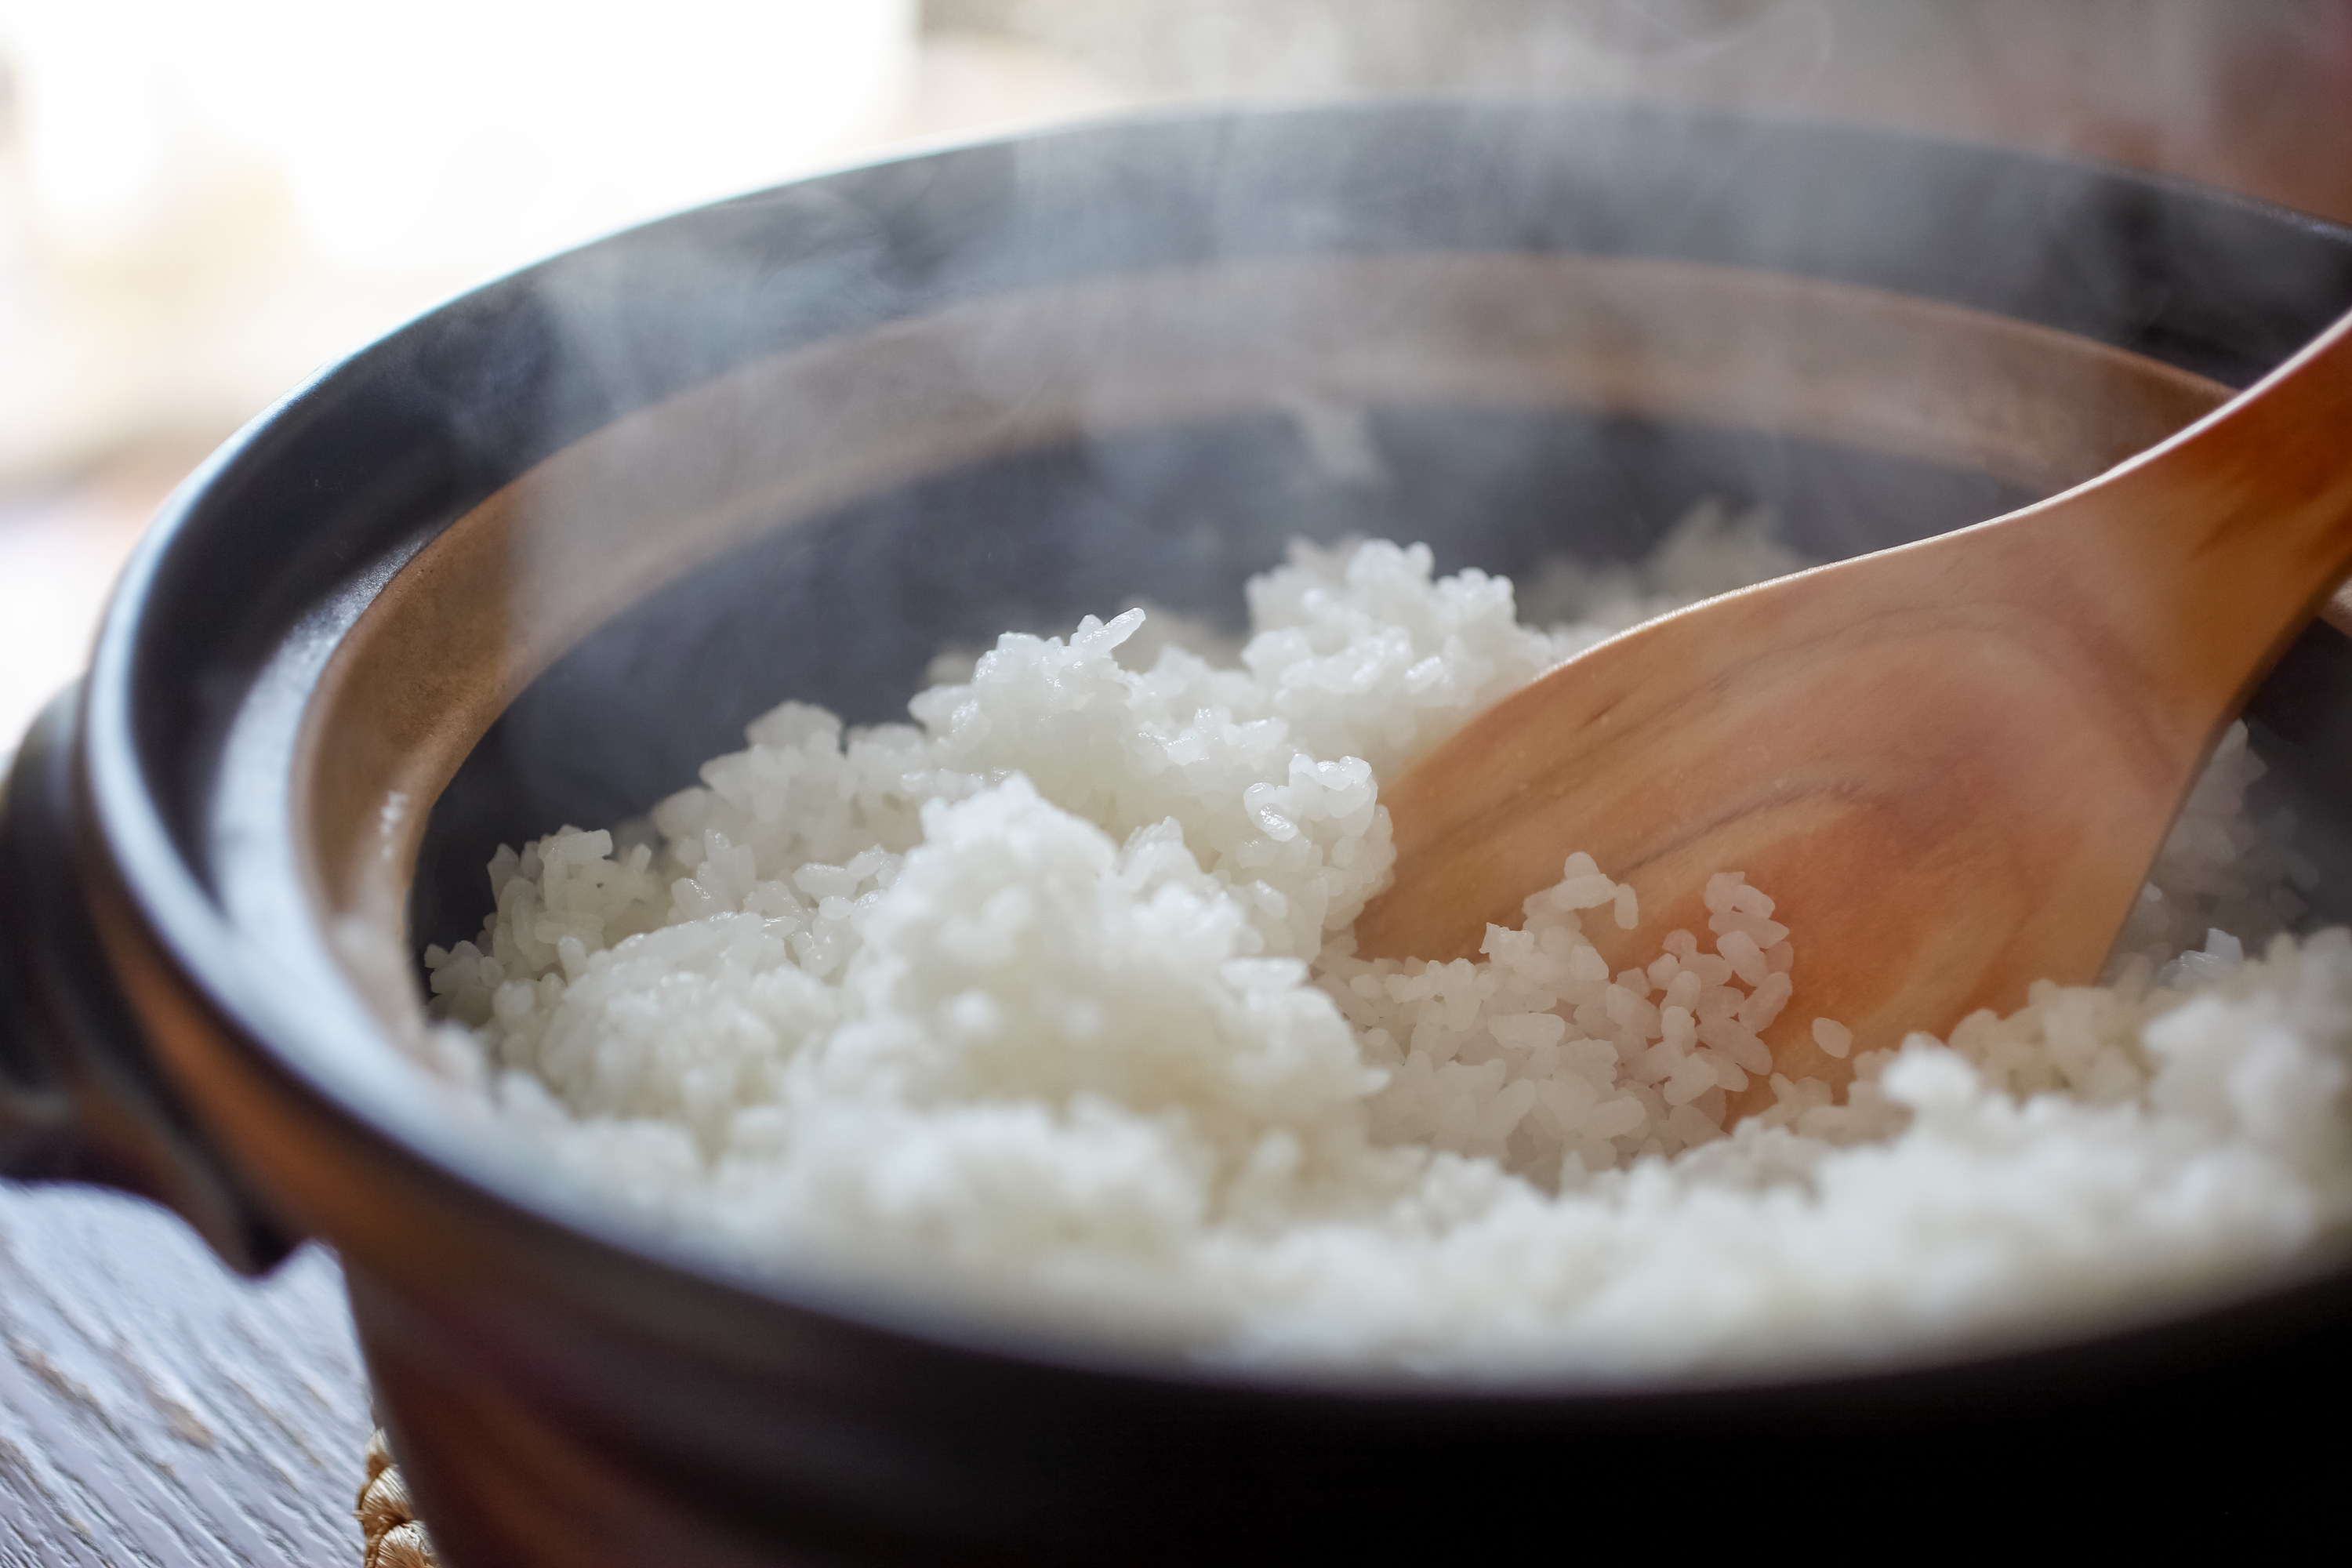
(156, 1409)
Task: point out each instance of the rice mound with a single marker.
(1049, 1001)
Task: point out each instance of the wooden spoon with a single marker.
(1950, 763)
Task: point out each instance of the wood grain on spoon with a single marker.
(1951, 764)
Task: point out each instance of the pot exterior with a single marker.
(528, 1455)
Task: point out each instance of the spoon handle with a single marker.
(2203, 557)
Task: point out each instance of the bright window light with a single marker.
(437, 132)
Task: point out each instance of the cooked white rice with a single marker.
(1049, 1001)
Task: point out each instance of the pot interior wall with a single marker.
(462, 628)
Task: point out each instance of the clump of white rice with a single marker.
(1048, 1001)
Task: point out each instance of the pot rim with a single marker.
(294, 1039)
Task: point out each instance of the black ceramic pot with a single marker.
(530, 558)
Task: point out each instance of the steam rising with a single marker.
(1109, 514)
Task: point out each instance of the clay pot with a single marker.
(530, 558)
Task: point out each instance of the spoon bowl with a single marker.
(1950, 763)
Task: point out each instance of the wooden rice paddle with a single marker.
(1951, 764)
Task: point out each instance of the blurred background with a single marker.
(201, 203)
